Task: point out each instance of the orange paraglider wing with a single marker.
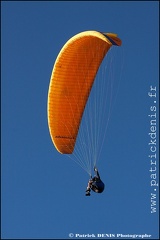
(72, 78)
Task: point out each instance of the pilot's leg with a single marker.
(89, 188)
(88, 191)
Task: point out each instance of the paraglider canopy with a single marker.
(71, 81)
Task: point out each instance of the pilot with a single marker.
(95, 184)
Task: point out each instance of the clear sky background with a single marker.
(42, 190)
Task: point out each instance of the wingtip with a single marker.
(114, 40)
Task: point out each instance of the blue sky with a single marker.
(42, 190)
